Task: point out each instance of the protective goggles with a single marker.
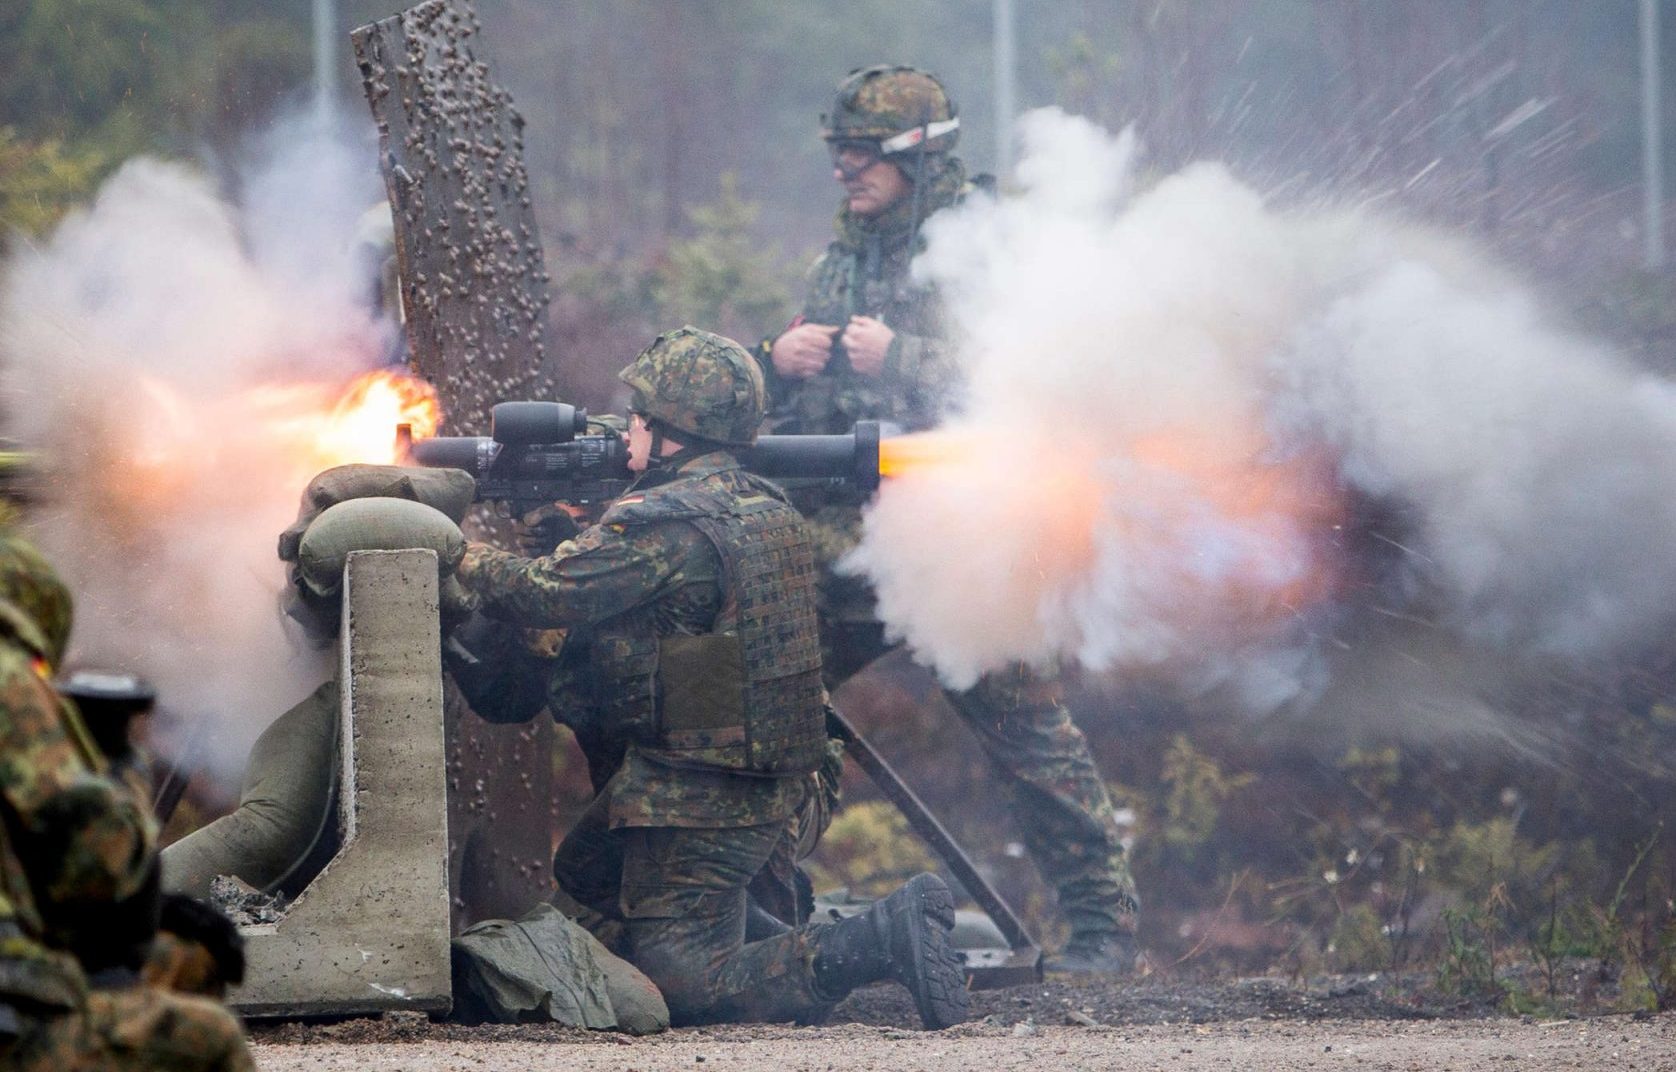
(852, 156)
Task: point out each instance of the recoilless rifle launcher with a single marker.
(537, 453)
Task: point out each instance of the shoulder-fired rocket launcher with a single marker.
(542, 452)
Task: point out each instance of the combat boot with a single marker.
(904, 937)
(1112, 953)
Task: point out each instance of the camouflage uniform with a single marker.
(77, 870)
(1063, 809)
(687, 587)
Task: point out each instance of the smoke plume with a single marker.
(1225, 444)
(159, 351)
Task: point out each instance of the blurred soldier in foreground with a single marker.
(869, 345)
(694, 597)
(78, 871)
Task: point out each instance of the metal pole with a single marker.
(1006, 85)
(1652, 135)
(325, 55)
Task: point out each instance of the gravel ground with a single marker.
(1297, 1046)
(1362, 1023)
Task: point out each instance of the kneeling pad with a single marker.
(374, 525)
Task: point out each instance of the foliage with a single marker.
(39, 181)
(869, 850)
(719, 275)
(119, 77)
(716, 276)
(1663, 976)
(1478, 859)
(1359, 942)
(1471, 936)
(1195, 788)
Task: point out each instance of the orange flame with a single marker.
(171, 441)
(362, 425)
(159, 449)
(900, 455)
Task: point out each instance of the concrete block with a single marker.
(371, 932)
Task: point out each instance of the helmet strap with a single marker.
(654, 455)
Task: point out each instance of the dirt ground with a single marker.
(1362, 1023)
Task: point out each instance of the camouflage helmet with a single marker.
(700, 383)
(901, 108)
(34, 604)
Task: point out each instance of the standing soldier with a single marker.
(78, 871)
(693, 598)
(870, 344)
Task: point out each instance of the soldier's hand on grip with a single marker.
(541, 530)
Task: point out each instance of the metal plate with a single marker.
(473, 280)
(986, 969)
(474, 294)
(995, 969)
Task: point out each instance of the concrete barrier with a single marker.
(371, 932)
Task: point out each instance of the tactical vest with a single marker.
(850, 282)
(747, 696)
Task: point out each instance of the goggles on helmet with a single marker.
(852, 156)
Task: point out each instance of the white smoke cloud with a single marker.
(1182, 403)
(149, 347)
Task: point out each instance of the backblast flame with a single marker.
(361, 426)
(246, 445)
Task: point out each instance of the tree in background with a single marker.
(85, 84)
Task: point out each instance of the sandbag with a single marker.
(546, 967)
(283, 807)
(373, 525)
(448, 491)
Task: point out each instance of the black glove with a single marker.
(192, 920)
(497, 677)
(543, 529)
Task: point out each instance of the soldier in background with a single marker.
(692, 604)
(78, 871)
(869, 345)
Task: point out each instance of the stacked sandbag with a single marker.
(284, 807)
(372, 508)
(281, 828)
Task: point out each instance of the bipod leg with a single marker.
(986, 969)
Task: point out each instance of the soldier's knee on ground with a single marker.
(681, 979)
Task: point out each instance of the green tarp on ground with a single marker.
(546, 967)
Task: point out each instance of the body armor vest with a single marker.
(858, 282)
(746, 696)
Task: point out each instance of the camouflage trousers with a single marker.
(676, 899)
(140, 1029)
(1063, 810)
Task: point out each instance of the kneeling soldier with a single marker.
(694, 596)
